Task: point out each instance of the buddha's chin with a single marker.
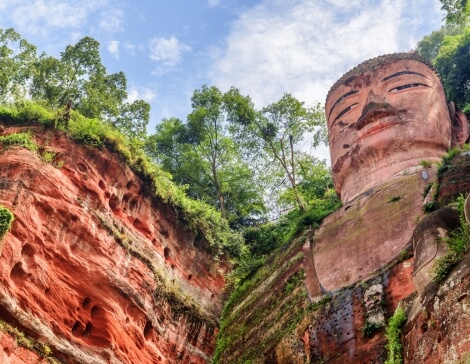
(372, 164)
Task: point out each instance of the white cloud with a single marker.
(278, 47)
(167, 52)
(113, 48)
(40, 16)
(140, 93)
(303, 47)
(111, 20)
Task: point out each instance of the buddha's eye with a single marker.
(345, 111)
(409, 85)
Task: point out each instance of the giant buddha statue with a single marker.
(388, 121)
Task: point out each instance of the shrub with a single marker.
(6, 219)
(23, 139)
(370, 328)
(458, 242)
(425, 164)
(392, 333)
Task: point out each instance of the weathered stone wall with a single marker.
(280, 318)
(98, 268)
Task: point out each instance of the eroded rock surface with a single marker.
(367, 233)
(97, 267)
(439, 331)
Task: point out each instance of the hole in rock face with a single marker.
(102, 185)
(107, 194)
(127, 320)
(27, 251)
(462, 297)
(165, 234)
(166, 253)
(133, 204)
(18, 273)
(86, 302)
(81, 167)
(87, 330)
(190, 277)
(141, 226)
(198, 241)
(131, 185)
(7, 352)
(424, 327)
(76, 328)
(97, 312)
(114, 203)
(148, 330)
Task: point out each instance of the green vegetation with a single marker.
(94, 133)
(265, 239)
(394, 199)
(202, 155)
(273, 251)
(222, 155)
(444, 165)
(458, 243)
(24, 140)
(457, 11)
(425, 164)
(427, 189)
(6, 219)
(370, 328)
(28, 342)
(447, 48)
(392, 333)
(273, 136)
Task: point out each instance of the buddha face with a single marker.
(383, 121)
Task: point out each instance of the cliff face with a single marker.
(95, 266)
(285, 314)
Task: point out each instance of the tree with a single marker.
(202, 155)
(80, 78)
(453, 64)
(132, 120)
(430, 45)
(16, 59)
(315, 180)
(56, 81)
(448, 49)
(278, 131)
(457, 11)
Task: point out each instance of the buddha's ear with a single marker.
(460, 126)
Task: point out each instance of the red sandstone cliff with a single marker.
(274, 320)
(96, 267)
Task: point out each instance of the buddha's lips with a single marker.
(382, 115)
(381, 124)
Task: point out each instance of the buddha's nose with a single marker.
(374, 101)
(375, 98)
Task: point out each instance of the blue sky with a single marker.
(169, 48)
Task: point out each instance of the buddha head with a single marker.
(385, 116)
